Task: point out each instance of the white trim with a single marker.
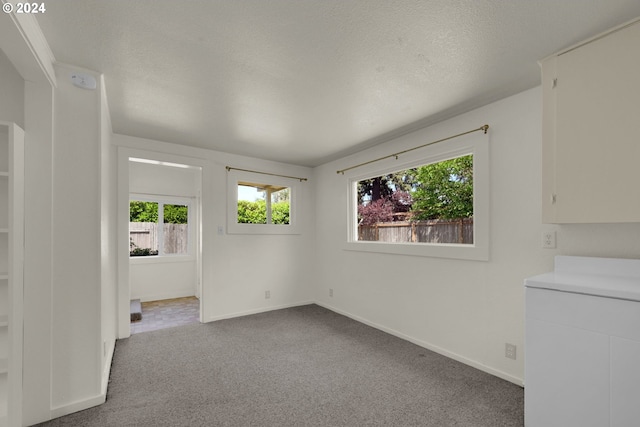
(20, 34)
(166, 295)
(79, 405)
(257, 311)
(107, 366)
(162, 259)
(429, 346)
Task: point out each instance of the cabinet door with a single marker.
(566, 376)
(596, 147)
(625, 382)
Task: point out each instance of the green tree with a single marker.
(280, 212)
(256, 212)
(143, 211)
(383, 187)
(252, 212)
(176, 214)
(444, 190)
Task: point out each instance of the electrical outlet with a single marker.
(330, 292)
(510, 351)
(549, 239)
(267, 294)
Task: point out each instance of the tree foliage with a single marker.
(256, 212)
(148, 212)
(444, 190)
(176, 214)
(383, 187)
(380, 210)
(143, 211)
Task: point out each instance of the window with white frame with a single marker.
(159, 226)
(436, 204)
(262, 204)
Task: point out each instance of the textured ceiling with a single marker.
(306, 81)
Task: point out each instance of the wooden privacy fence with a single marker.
(145, 235)
(431, 231)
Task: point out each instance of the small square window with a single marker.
(261, 204)
(157, 228)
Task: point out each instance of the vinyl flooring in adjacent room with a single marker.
(167, 313)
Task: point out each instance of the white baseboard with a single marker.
(429, 346)
(165, 295)
(79, 405)
(256, 311)
(106, 371)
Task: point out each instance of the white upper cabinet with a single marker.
(591, 130)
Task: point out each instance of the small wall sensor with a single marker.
(84, 81)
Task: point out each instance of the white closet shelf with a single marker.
(4, 230)
(4, 320)
(4, 275)
(3, 173)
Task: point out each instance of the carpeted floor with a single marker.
(303, 366)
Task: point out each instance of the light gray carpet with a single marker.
(303, 366)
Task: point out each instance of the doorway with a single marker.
(160, 252)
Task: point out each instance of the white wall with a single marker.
(76, 320)
(108, 238)
(11, 93)
(160, 278)
(30, 104)
(465, 309)
(238, 269)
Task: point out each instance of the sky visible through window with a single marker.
(250, 194)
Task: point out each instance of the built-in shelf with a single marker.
(11, 276)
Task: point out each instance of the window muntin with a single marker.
(431, 203)
(158, 227)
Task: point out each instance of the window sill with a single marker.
(451, 251)
(155, 259)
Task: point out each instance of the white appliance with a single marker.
(582, 344)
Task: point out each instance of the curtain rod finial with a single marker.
(485, 128)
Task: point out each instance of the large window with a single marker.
(436, 204)
(158, 227)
